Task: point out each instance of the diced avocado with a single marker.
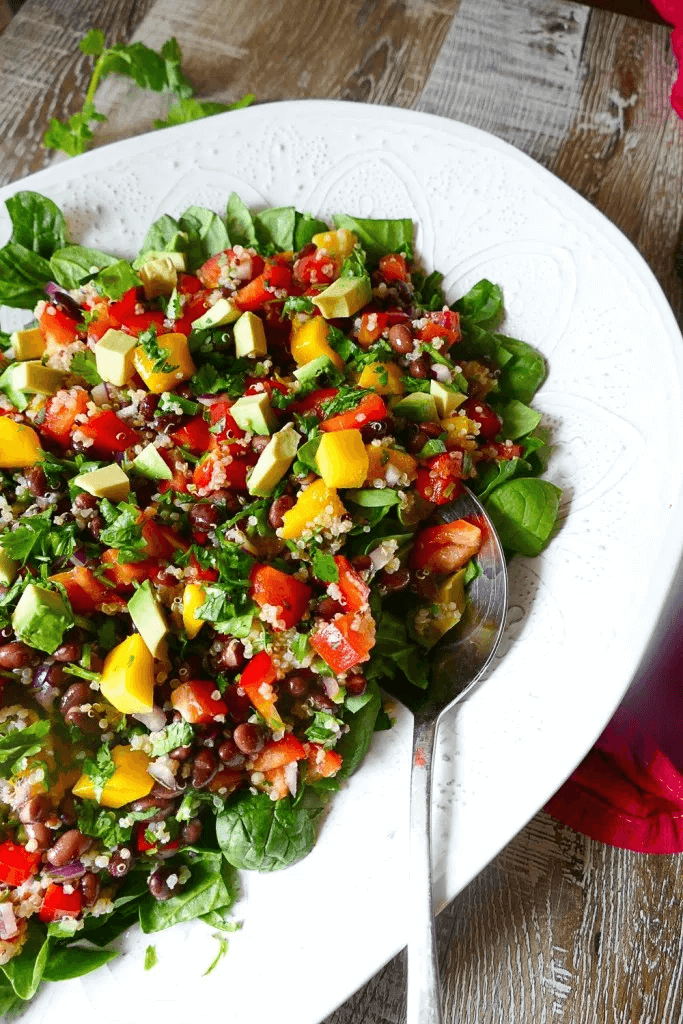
(450, 602)
(159, 276)
(107, 482)
(222, 312)
(274, 461)
(41, 618)
(344, 297)
(8, 568)
(28, 344)
(150, 464)
(447, 401)
(250, 336)
(149, 619)
(114, 357)
(254, 413)
(322, 364)
(418, 407)
(34, 378)
(176, 258)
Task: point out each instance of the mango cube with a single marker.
(317, 506)
(381, 457)
(338, 243)
(382, 378)
(176, 353)
(127, 679)
(194, 597)
(130, 781)
(342, 459)
(19, 445)
(309, 341)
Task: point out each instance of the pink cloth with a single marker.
(672, 11)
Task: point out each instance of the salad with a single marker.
(218, 464)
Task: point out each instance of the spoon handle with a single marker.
(424, 1000)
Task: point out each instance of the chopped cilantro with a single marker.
(324, 566)
(83, 363)
(298, 304)
(123, 532)
(151, 958)
(157, 356)
(346, 399)
(99, 769)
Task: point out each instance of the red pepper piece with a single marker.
(17, 865)
(276, 276)
(369, 410)
(194, 434)
(445, 548)
(355, 591)
(256, 682)
(108, 433)
(269, 586)
(345, 641)
(58, 904)
(196, 703)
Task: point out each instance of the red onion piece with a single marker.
(75, 869)
(63, 301)
(154, 720)
(8, 922)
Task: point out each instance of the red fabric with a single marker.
(672, 11)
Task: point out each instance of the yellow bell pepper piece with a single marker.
(194, 597)
(317, 506)
(130, 781)
(19, 445)
(338, 243)
(383, 378)
(310, 341)
(342, 459)
(176, 353)
(458, 427)
(127, 679)
(381, 457)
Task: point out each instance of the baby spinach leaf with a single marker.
(482, 304)
(518, 419)
(305, 227)
(25, 971)
(373, 497)
(524, 372)
(353, 746)
(275, 228)
(37, 223)
(379, 237)
(23, 276)
(240, 222)
(74, 264)
(10, 1003)
(151, 958)
(524, 513)
(493, 474)
(75, 961)
(164, 235)
(116, 279)
(394, 643)
(256, 833)
(428, 292)
(210, 887)
(206, 235)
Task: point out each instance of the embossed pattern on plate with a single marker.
(580, 615)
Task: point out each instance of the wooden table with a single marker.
(557, 928)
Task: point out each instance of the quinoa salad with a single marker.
(219, 464)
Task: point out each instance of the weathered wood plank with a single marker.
(5, 14)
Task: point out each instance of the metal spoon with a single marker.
(459, 659)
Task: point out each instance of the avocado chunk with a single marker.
(41, 618)
(317, 366)
(418, 407)
(114, 357)
(8, 568)
(447, 401)
(28, 344)
(274, 461)
(107, 482)
(250, 336)
(149, 619)
(159, 276)
(34, 378)
(344, 297)
(150, 464)
(222, 312)
(450, 600)
(176, 258)
(254, 413)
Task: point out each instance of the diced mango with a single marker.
(194, 596)
(130, 781)
(19, 445)
(176, 353)
(310, 341)
(128, 677)
(338, 243)
(316, 506)
(381, 457)
(383, 378)
(458, 427)
(342, 459)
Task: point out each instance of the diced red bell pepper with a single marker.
(219, 414)
(500, 451)
(289, 595)
(108, 433)
(227, 266)
(445, 548)
(275, 784)
(278, 753)
(136, 323)
(101, 321)
(369, 410)
(57, 327)
(142, 844)
(321, 763)
(489, 421)
(57, 904)
(125, 306)
(194, 434)
(162, 541)
(276, 276)
(232, 475)
(181, 475)
(355, 591)
(17, 865)
(393, 267)
(345, 641)
(227, 780)
(188, 284)
(258, 676)
(440, 480)
(259, 385)
(196, 307)
(444, 324)
(313, 402)
(371, 326)
(196, 702)
(196, 574)
(60, 414)
(85, 592)
(316, 267)
(124, 575)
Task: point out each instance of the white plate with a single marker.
(580, 615)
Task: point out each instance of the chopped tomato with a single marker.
(136, 323)
(500, 451)
(58, 328)
(142, 843)
(445, 548)
(188, 284)
(289, 595)
(196, 574)
(275, 277)
(256, 681)
(313, 402)
(181, 475)
(321, 763)
(194, 434)
(444, 324)
(101, 321)
(393, 267)
(161, 541)
(368, 410)
(17, 865)
(57, 904)
(124, 575)
(371, 327)
(108, 433)
(354, 590)
(229, 267)
(316, 267)
(210, 476)
(345, 641)
(60, 414)
(440, 479)
(219, 414)
(488, 420)
(125, 306)
(197, 703)
(85, 591)
(278, 753)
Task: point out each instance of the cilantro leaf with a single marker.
(156, 355)
(123, 531)
(20, 744)
(178, 734)
(99, 769)
(324, 566)
(83, 363)
(191, 109)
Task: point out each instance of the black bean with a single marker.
(204, 768)
(148, 406)
(320, 700)
(277, 511)
(426, 586)
(36, 481)
(297, 686)
(232, 656)
(6, 633)
(327, 607)
(167, 424)
(416, 440)
(374, 431)
(68, 847)
(229, 753)
(419, 368)
(161, 807)
(203, 517)
(400, 339)
(90, 888)
(248, 738)
(48, 675)
(191, 832)
(238, 704)
(158, 886)
(361, 562)
(355, 684)
(39, 834)
(180, 753)
(36, 808)
(393, 582)
(85, 500)
(68, 652)
(95, 526)
(15, 655)
(119, 866)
